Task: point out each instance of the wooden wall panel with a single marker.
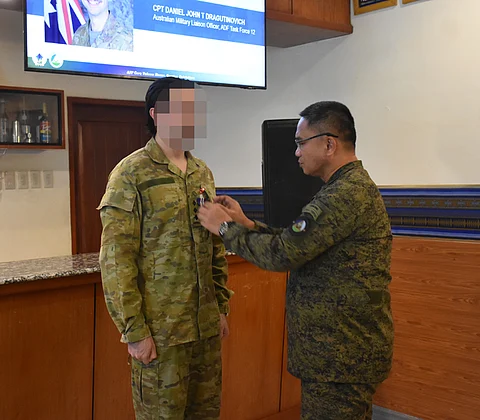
(112, 389)
(291, 394)
(252, 354)
(436, 306)
(46, 354)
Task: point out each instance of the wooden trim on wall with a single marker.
(73, 149)
(49, 284)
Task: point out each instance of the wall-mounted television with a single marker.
(220, 42)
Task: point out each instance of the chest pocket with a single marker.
(162, 201)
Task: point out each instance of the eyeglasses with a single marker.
(300, 142)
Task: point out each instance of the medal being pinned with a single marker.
(201, 196)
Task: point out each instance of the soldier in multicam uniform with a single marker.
(164, 275)
(339, 320)
(102, 30)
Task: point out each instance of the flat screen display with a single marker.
(214, 42)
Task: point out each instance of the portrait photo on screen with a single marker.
(90, 23)
(218, 42)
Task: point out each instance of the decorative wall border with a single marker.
(443, 211)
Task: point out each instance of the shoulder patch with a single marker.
(300, 226)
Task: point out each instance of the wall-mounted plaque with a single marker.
(364, 6)
(408, 1)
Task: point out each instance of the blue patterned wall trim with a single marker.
(449, 212)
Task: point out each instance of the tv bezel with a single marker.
(112, 76)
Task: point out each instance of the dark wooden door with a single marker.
(101, 133)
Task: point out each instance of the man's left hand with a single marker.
(212, 215)
(224, 330)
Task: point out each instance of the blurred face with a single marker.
(313, 154)
(95, 7)
(182, 119)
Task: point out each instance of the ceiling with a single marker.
(11, 4)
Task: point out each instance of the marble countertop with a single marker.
(48, 268)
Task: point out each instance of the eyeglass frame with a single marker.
(300, 143)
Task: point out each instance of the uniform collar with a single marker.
(344, 169)
(157, 155)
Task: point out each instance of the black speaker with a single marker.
(286, 189)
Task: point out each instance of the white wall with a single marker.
(408, 73)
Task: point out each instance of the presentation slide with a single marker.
(217, 41)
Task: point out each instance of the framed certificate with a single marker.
(365, 6)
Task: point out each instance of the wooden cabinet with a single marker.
(252, 354)
(46, 351)
(31, 118)
(112, 394)
(62, 359)
(295, 22)
(65, 359)
(283, 6)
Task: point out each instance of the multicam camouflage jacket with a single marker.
(339, 319)
(114, 36)
(163, 274)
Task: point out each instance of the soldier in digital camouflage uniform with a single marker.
(102, 30)
(164, 275)
(339, 320)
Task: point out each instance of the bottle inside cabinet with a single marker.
(30, 118)
(4, 123)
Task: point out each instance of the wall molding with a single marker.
(440, 211)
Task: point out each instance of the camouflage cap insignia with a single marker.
(299, 226)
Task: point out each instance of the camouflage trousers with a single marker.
(183, 383)
(337, 401)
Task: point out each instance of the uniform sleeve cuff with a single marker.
(136, 335)
(224, 308)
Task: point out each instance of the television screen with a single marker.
(210, 41)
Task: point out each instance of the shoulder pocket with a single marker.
(120, 199)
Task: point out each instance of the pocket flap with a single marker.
(120, 199)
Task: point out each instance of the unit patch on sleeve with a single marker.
(300, 226)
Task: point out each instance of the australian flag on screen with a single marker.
(62, 19)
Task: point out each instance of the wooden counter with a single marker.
(62, 358)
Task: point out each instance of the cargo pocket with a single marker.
(145, 385)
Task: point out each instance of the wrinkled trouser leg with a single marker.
(337, 401)
(183, 383)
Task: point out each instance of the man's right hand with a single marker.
(234, 210)
(144, 350)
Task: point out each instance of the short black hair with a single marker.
(160, 90)
(332, 116)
